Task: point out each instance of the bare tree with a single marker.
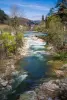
(15, 20)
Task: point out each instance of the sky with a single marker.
(31, 9)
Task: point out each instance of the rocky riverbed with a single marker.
(50, 90)
(9, 70)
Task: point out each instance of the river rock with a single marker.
(15, 74)
(64, 67)
(3, 82)
(59, 73)
(49, 98)
(9, 87)
(30, 95)
(11, 81)
(52, 86)
(46, 90)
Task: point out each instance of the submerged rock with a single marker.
(14, 73)
(30, 95)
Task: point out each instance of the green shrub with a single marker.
(19, 37)
(9, 42)
(56, 33)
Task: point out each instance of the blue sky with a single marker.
(31, 9)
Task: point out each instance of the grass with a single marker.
(2, 26)
(56, 64)
(2, 66)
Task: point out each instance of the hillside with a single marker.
(26, 21)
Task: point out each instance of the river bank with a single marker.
(9, 70)
(50, 90)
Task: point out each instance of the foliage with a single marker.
(19, 39)
(56, 33)
(40, 28)
(9, 42)
(51, 12)
(3, 16)
(42, 17)
(63, 55)
(62, 9)
(62, 2)
(56, 23)
(14, 23)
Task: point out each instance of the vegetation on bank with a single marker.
(55, 25)
(3, 17)
(9, 43)
(11, 32)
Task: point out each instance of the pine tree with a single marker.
(42, 17)
(3, 16)
(62, 9)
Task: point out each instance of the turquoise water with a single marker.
(35, 64)
(36, 61)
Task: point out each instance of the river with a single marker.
(34, 63)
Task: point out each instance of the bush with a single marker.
(56, 33)
(19, 37)
(9, 42)
(40, 28)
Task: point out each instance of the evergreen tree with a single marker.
(42, 17)
(62, 9)
(3, 16)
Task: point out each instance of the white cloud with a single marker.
(33, 6)
(42, 10)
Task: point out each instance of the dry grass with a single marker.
(3, 26)
(2, 66)
(56, 64)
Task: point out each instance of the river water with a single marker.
(35, 64)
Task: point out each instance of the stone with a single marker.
(59, 73)
(49, 98)
(64, 67)
(29, 95)
(9, 87)
(4, 83)
(47, 90)
(15, 74)
(12, 67)
(52, 86)
(11, 81)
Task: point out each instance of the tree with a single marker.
(15, 24)
(3, 16)
(42, 17)
(51, 12)
(56, 33)
(14, 20)
(62, 9)
(62, 2)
